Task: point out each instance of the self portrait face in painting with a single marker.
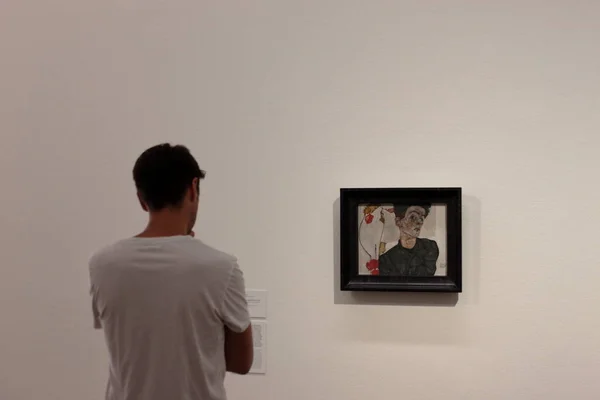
(410, 219)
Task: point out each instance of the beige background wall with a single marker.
(284, 102)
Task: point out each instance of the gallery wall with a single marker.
(283, 103)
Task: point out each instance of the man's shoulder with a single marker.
(208, 255)
(390, 253)
(428, 244)
(105, 254)
(181, 250)
(212, 264)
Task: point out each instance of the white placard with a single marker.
(259, 335)
(257, 303)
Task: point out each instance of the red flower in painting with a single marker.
(375, 272)
(372, 265)
(369, 218)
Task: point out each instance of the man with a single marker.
(173, 309)
(412, 256)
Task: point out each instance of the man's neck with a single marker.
(407, 241)
(165, 224)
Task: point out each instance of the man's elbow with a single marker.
(241, 363)
(241, 367)
(242, 370)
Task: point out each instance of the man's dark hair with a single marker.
(400, 209)
(163, 174)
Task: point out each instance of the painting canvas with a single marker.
(401, 239)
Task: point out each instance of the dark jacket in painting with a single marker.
(418, 261)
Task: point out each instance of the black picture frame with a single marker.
(350, 201)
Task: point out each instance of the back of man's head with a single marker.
(163, 174)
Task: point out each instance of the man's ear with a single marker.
(195, 189)
(142, 202)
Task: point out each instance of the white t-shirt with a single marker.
(163, 304)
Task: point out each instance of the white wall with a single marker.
(284, 103)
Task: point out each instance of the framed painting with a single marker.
(401, 239)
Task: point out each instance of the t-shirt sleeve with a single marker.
(234, 310)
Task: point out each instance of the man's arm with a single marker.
(239, 348)
(239, 351)
(433, 252)
(385, 266)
